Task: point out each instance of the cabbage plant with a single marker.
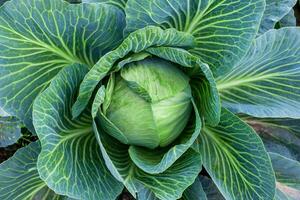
(167, 99)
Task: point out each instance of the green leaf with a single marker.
(275, 11)
(10, 130)
(210, 189)
(134, 43)
(19, 178)
(288, 20)
(194, 192)
(280, 136)
(70, 161)
(235, 158)
(223, 29)
(287, 173)
(119, 3)
(40, 37)
(159, 160)
(168, 185)
(266, 83)
(202, 82)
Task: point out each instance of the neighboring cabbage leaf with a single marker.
(236, 159)
(223, 29)
(35, 46)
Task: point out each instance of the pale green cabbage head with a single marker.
(150, 102)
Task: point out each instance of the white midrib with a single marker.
(222, 85)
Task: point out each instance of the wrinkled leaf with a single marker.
(70, 161)
(266, 83)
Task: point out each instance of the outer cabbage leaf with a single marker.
(275, 11)
(40, 37)
(19, 178)
(287, 173)
(266, 83)
(168, 185)
(223, 29)
(70, 161)
(235, 158)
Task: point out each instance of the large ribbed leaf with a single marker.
(19, 178)
(275, 11)
(266, 83)
(287, 173)
(235, 158)
(224, 29)
(119, 3)
(158, 160)
(280, 136)
(10, 130)
(134, 43)
(168, 185)
(40, 37)
(70, 161)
